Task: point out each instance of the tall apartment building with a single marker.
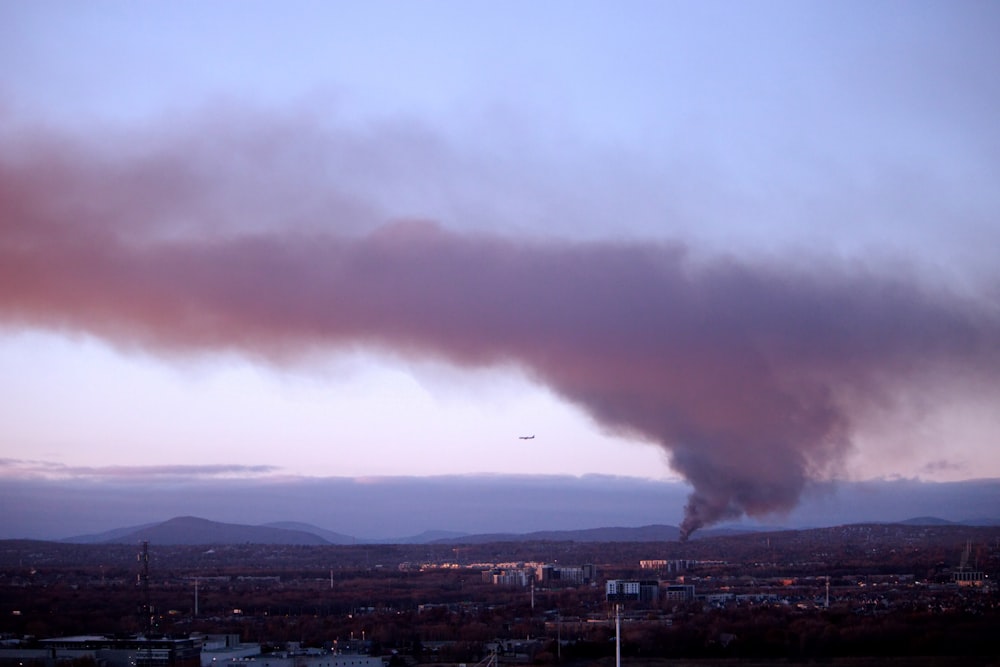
(583, 574)
(667, 566)
(509, 577)
(621, 590)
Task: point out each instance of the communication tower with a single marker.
(145, 609)
(966, 576)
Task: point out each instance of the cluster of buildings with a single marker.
(650, 590)
(616, 590)
(194, 651)
(546, 574)
(667, 566)
(109, 651)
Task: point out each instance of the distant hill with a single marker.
(927, 521)
(981, 521)
(328, 535)
(192, 530)
(426, 537)
(107, 536)
(196, 531)
(652, 533)
(936, 521)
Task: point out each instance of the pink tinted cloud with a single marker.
(21, 468)
(750, 375)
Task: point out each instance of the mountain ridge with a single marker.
(195, 530)
(192, 530)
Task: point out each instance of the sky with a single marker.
(740, 248)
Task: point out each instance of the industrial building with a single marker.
(109, 651)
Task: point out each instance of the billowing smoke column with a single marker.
(748, 375)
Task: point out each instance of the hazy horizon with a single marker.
(397, 507)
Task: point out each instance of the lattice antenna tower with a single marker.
(145, 610)
(964, 564)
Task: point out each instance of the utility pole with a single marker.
(618, 635)
(558, 636)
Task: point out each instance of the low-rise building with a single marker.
(110, 651)
(679, 593)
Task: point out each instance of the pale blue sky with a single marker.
(807, 132)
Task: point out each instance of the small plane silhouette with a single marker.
(525, 437)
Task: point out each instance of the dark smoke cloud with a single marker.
(750, 375)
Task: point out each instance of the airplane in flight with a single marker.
(526, 437)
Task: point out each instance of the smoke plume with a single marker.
(750, 375)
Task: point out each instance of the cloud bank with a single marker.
(46, 470)
(752, 375)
